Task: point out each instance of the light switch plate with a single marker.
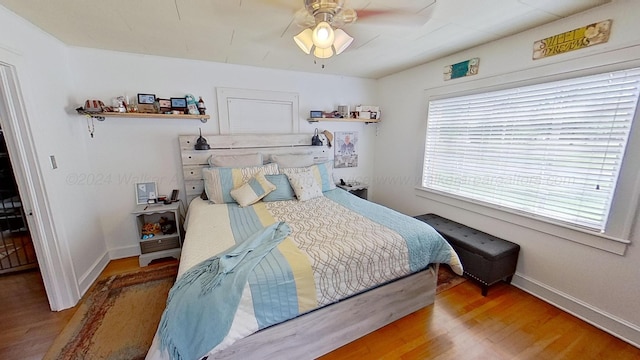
(54, 164)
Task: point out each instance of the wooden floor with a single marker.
(507, 324)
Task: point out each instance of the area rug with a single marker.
(118, 317)
(447, 279)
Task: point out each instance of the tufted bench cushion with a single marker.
(484, 257)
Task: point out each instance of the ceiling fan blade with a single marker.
(303, 18)
(397, 16)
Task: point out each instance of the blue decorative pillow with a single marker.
(283, 190)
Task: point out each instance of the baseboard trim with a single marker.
(124, 252)
(87, 279)
(604, 321)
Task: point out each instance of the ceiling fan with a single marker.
(323, 19)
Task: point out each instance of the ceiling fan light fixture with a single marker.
(342, 41)
(321, 53)
(323, 35)
(304, 40)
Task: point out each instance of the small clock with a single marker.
(146, 98)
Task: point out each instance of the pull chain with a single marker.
(90, 125)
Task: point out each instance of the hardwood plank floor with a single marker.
(507, 324)
(462, 324)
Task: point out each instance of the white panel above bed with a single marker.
(243, 111)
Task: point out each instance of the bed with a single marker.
(343, 266)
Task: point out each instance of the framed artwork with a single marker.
(346, 149)
(315, 114)
(146, 193)
(146, 98)
(178, 103)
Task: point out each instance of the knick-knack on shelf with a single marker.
(201, 108)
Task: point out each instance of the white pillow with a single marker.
(304, 185)
(236, 160)
(292, 160)
(322, 173)
(252, 191)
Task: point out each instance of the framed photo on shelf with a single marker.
(179, 104)
(146, 98)
(315, 114)
(146, 193)
(164, 105)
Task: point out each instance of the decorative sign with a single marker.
(461, 69)
(345, 149)
(575, 39)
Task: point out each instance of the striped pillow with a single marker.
(252, 191)
(219, 181)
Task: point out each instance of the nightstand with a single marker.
(164, 221)
(357, 189)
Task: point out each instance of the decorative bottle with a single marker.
(201, 108)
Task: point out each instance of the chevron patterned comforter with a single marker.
(339, 246)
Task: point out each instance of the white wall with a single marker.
(599, 286)
(43, 73)
(125, 151)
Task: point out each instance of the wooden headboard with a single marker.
(193, 161)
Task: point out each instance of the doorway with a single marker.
(53, 259)
(16, 247)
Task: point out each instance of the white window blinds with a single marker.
(551, 150)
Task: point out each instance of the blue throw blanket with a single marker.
(190, 324)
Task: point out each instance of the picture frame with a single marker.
(146, 98)
(178, 103)
(164, 105)
(315, 114)
(146, 192)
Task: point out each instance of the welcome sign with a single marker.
(575, 39)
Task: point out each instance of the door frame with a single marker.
(53, 254)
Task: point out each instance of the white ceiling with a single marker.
(259, 32)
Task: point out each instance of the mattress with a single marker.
(339, 245)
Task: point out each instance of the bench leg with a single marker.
(508, 279)
(485, 289)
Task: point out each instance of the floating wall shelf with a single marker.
(101, 116)
(366, 121)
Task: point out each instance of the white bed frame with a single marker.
(321, 331)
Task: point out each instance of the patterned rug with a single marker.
(118, 317)
(447, 279)
(120, 314)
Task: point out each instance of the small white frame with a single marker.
(146, 191)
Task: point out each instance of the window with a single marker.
(550, 150)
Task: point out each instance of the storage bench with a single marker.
(485, 258)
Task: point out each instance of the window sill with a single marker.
(564, 231)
